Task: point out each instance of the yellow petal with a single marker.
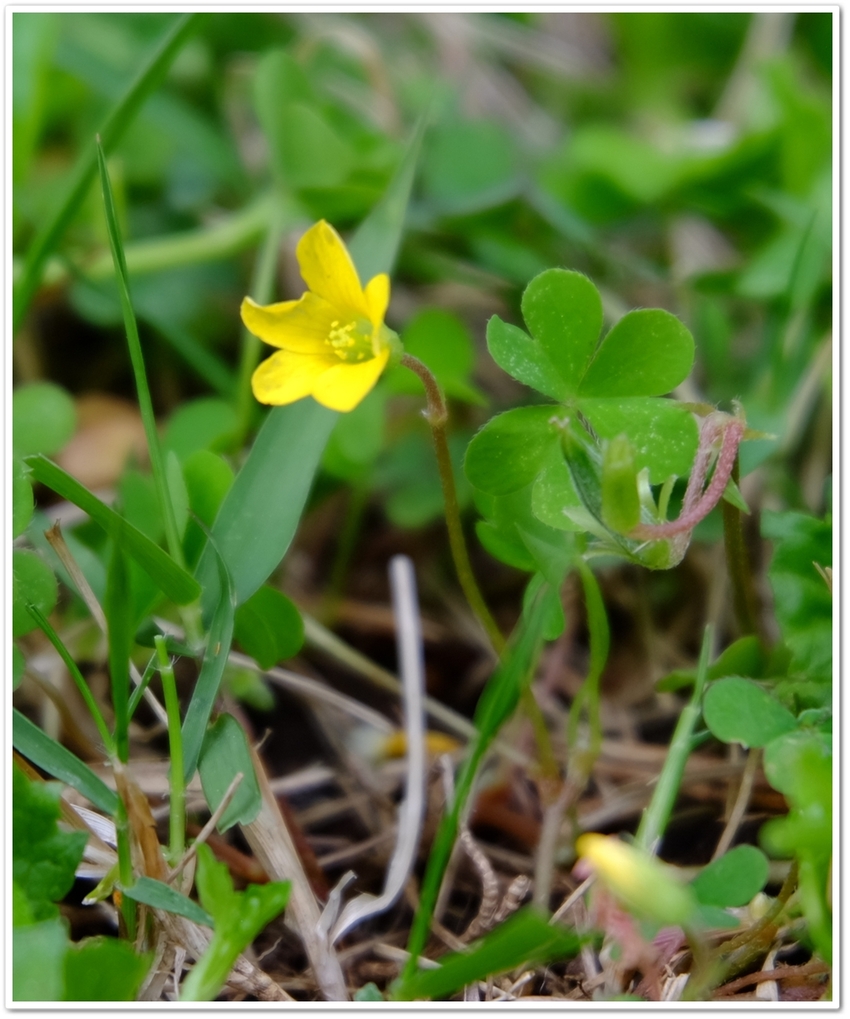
(344, 386)
(286, 376)
(377, 295)
(302, 326)
(328, 270)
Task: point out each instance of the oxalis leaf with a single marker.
(739, 711)
(647, 353)
(614, 387)
(733, 879)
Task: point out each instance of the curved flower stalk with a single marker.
(333, 341)
(698, 503)
(616, 504)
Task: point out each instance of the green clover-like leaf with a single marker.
(647, 353)
(563, 310)
(511, 449)
(664, 433)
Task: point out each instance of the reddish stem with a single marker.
(697, 506)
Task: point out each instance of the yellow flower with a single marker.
(334, 344)
(641, 882)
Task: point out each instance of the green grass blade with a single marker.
(159, 895)
(116, 124)
(118, 608)
(59, 762)
(654, 821)
(260, 513)
(76, 675)
(588, 695)
(525, 939)
(376, 241)
(212, 669)
(170, 578)
(497, 703)
(166, 507)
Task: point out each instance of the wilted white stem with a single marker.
(411, 667)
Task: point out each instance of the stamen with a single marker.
(350, 342)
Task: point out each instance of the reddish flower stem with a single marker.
(697, 506)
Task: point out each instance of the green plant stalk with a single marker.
(113, 128)
(125, 868)
(190, 613)
(657, 814)
(262, 289)
(548, 763)
(76, 675)
(120, 642)
(223, 239)
(600, 643)
(437, 416)
(137, 695)
(738, 565)
(177, 804)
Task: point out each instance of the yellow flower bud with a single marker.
(643, 884)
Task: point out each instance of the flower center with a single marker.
(351, 341)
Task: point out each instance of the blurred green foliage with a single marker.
(680, 160)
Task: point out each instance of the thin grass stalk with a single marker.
(138, 362)
(657, 814)
(191, 613)
(177, 801)
(589, 694)
(76, 675)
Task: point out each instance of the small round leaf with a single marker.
(33, 583)
(269, 627)
(733, 879)
(43, 418)
(739, 711)
(201, 424)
